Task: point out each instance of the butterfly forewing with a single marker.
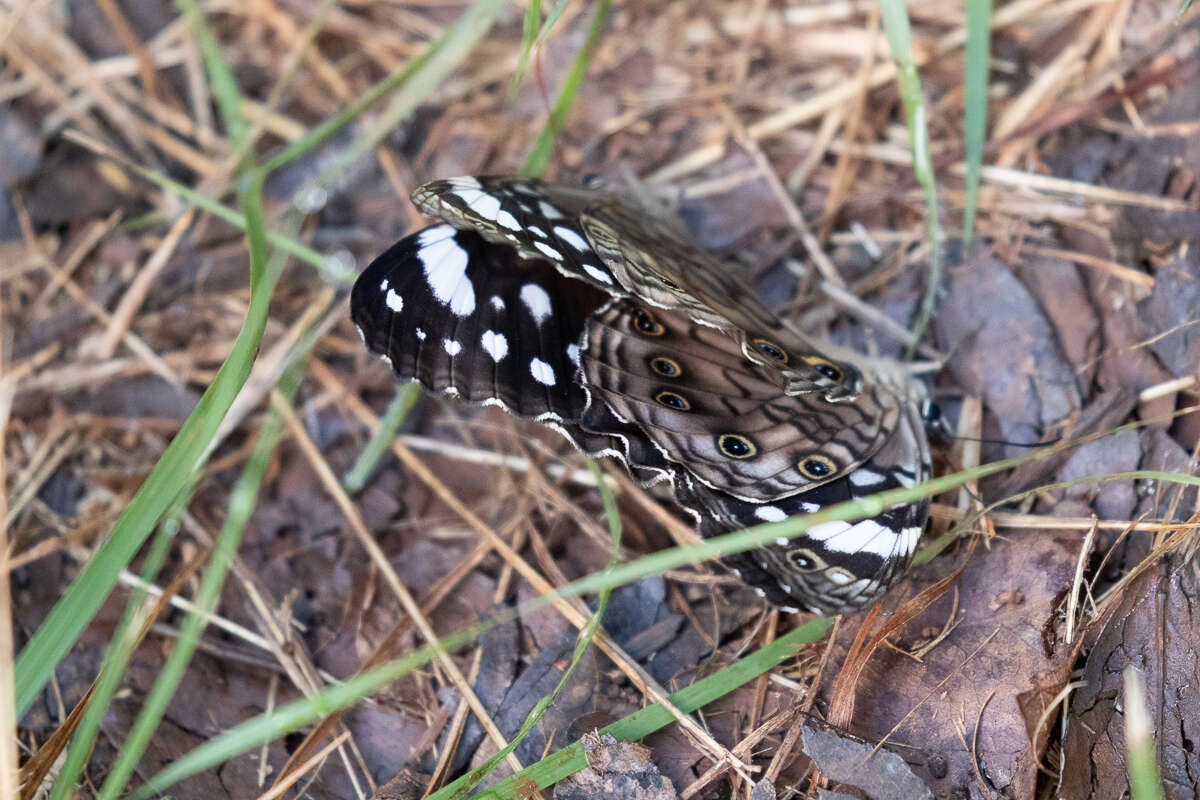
(540, 220)
(593, 236)
(465, 316)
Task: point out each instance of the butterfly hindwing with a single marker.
(719, 415)
(464, 316)
(833, 566)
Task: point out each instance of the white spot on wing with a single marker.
(537, 301)
(536, 231)
(383, 285)
(495, 344)
(420, 334)
(838, 577)
(445, 265)
(497, 302)
(572, 238)
(597, 273)
(866, 477)
(548, 250)
(867, 536)
(451, 346)
(809, 508)
(910, 537)
(506, 220)
(542, 372)
(482, 203)
(394, 301)
(549, 211)
(573, 353)
(770, 513)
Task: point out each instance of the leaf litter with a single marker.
(1079, 313)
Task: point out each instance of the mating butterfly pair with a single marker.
(564, 305)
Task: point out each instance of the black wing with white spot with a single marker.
(467, 317)
(833, 567)
(539, 219)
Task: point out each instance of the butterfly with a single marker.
(570, 306)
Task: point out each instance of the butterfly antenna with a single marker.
(936, 424)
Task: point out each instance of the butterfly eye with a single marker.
(647, 324)
(804, 560)
(816, 467)
(673, 400)
(667, 367)
(736, 446)
(827, 368)
(771, 350)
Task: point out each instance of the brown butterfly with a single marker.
(565, 305)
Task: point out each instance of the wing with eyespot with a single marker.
(833, 567)
(658, 264)
(717, 415)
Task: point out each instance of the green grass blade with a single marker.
(287, 718)
(290, 717)
(570, 759)
(174, 470)
(975, 102)
(220, 73)
(241, 506)
(529, 37)
(417, 86)
(899, 34)
(397, 411)
(1144, 781)
(523, 59)
(539, 157)
(124, 641)
(331, 267)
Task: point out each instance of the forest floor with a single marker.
(775, 129)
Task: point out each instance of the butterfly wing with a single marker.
(706, 407)
(833, 567)
(539, 219)
(596, 237)
(479, 308)
(654, 260)
(464, 316)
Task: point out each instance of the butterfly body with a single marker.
(565, 305)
